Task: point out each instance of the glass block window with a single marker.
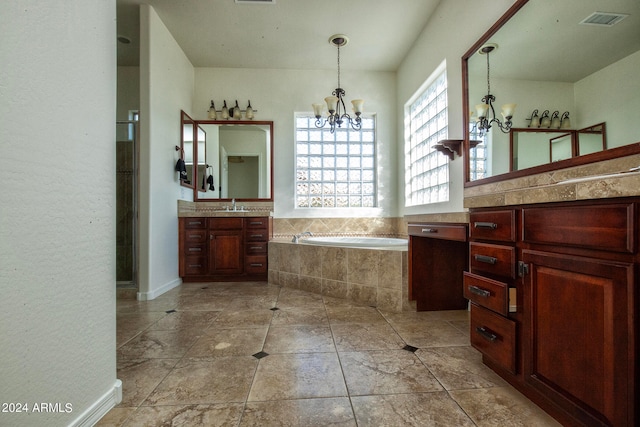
(478, 165)
(335, 170)
(427, 170)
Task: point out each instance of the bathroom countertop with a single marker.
(188, 209)
(602, 180)
(587, 188)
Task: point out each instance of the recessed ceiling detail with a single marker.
(603, 19)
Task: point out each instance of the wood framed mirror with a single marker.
(234, 160)
(547, 59)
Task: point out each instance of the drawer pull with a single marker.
(255, 223)
(255, 248)
(486, 259)
(195, 222)
(256, 265)
(255, 236)
(479, 291)
(490, 225)
(486, 334)
(429, 230)
(195, 265)
(195, 249)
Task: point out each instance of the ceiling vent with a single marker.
(603, 19)
(255, 1)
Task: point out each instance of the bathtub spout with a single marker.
(297, 236)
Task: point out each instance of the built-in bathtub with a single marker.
(389, 243)
(371, 270)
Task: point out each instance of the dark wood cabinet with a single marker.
(575, 267)
(223, 248)
(437, 259)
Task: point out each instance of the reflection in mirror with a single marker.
(561, 147)
(592, 139)
(587, 70)
(237, 160)
(186, 146)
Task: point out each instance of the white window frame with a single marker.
(426, 123)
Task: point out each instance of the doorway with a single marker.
(127, 205)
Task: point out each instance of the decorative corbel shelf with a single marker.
(449, 146)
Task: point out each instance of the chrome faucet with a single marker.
(233, 204)
(298, 236)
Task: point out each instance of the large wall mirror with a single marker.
(234, 160)
(546, 59)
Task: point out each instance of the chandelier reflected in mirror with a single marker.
(485, 111)
(335, 103)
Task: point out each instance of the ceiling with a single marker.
(545, 41)
(289, 34)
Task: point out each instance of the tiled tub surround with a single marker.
(375, 277)
(373, 227)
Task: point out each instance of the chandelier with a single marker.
(335, 103)
(485, 111)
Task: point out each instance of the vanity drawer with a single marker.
(195, 235)
(195, 265)
(195, 223)
(256, 235)
(226, 223)
(257, 222)
(255, 264)
(195, 248)
(493, 225)
(255, 248)
(606, 227)
(494, 336)
(487, 293)
(439, 231)
(493, 259)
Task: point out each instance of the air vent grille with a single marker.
(603, 19)
(255, 1)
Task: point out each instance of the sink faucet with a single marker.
(297, 236)
(233, 204)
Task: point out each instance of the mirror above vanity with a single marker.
(234, 160)
(546, 58)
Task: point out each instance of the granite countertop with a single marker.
(188, 209)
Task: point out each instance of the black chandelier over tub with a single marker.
(335, 103)
(486, 112)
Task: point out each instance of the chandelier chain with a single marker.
(488, 79)
(339, 66)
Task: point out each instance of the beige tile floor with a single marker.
(253, 354)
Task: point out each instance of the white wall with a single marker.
(166, 85)
(450, 32)
(612, 95)
(279, 94)
(57, 217)
(128, 97)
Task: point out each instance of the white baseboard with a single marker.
(99, 409)
(146, 296)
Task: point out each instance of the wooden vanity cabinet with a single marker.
(223, 248)
(577, 324)
(437, 259)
